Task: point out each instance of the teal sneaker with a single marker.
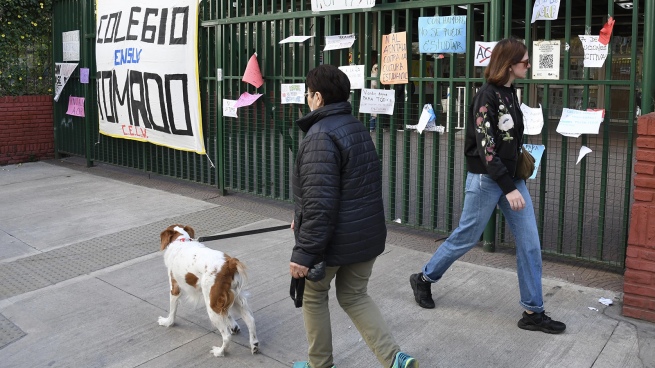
(305, 365)
(404, 361)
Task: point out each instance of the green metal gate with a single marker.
(582, 210)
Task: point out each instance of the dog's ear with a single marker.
(167, 237)
(189, 230)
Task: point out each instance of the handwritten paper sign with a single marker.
(579, 122)
(442, 34)
(545, 10)
(377, 101)
(293, 93)
(533, 119)
(75, 106)
(295, 39)
(71, 45)
(84, 75)
(595, 52)
(355, 74)
(483, 53)
(63, 71)
(546, 58)
(339, 42)
(330, 5)
(246, 99)
(393, 69)
(253, 74)
(537, 151)
(229, 109)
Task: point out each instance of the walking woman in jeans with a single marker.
(494, 135)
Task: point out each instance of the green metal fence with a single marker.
(582, 209)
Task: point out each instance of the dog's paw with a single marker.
(166, 322)
(235, 329)
(254, 348)
(218, 351)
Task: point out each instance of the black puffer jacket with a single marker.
(337, 190)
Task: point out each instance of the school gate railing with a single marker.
(582, 208)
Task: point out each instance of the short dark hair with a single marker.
(330, 81)
(506, 53)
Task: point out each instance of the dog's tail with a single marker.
(222, 294)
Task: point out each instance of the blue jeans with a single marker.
(482, 196)
(372, 123)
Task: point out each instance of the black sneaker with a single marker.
(422, 293)
(541, 322)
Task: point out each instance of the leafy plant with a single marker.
(25, 47)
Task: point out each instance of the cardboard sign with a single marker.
(393, 69)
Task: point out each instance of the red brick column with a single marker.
(26, 129)
(639, 279)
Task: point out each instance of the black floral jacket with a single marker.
(494, 134)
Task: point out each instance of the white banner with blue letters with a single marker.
(147, 72)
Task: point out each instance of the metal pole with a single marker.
(648, 76)
(489, 235)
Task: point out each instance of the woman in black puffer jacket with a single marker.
(339, 219)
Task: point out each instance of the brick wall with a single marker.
(639, 279)
(26, 129)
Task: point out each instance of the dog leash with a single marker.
(243, 233)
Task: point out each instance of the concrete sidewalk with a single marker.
(82, 284)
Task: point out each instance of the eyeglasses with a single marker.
(525, 62)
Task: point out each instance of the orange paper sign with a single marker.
(394, 59)
(253, 74)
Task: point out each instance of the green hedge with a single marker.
(25, 47)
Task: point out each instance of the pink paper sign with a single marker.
(253, 74)
(75, 106)
(246, 99)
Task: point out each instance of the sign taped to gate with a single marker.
(147, 72)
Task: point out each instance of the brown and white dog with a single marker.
(201, 273)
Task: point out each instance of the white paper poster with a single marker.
(426, 115)
(71, 45)
(483, 53)
(63, 72)
(545, 59)
(295, 39)
(229, 109)
(330, 5)
(147, 72)
(355, 74)
(377, 101)
(533, 119)
(293, 93)
(595, 52)
(579, 122)
(339, 42)
(545, 10)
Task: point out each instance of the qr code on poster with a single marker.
(545, 61)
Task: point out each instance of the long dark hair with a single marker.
(506, 53)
